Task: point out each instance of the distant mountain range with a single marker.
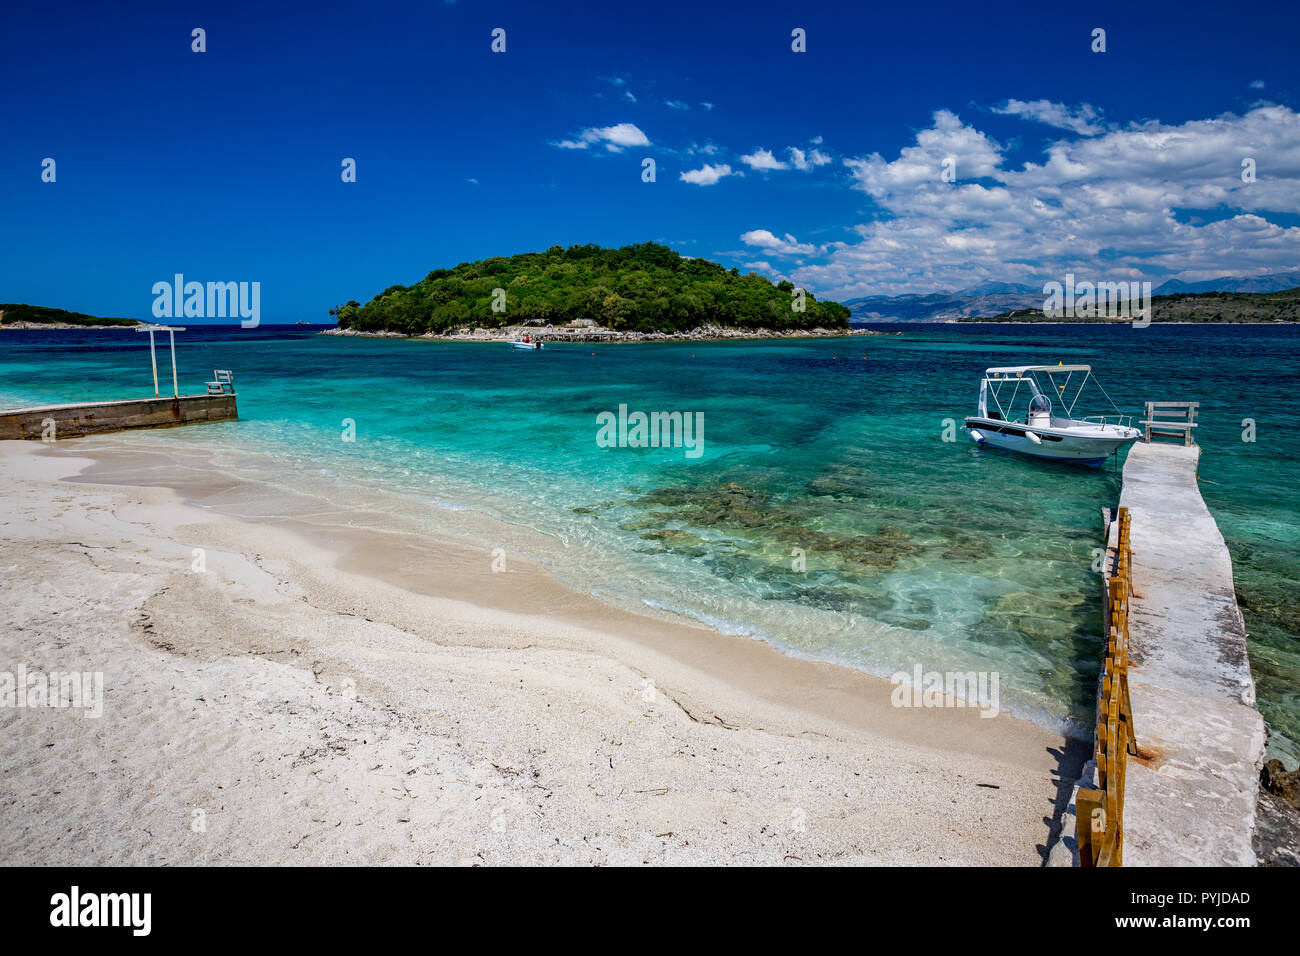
(944, 306)
(993, 298)
(1270, 283)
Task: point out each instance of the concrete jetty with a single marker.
(52, 422)
(1190, 795)
(1191, 798)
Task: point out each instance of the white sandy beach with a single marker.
(327, 693)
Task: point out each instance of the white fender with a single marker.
(1033, 438)
(977, 435)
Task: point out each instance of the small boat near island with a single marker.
(1088, 440)
(528, 343)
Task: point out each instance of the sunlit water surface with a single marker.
(827, 515)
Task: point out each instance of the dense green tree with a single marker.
(645, 287)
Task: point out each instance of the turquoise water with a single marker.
(915, 550)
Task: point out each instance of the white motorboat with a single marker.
(1088, 440)
(527, 343)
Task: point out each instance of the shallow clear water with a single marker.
(915, 550)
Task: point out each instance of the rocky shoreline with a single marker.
(63, 325)
(597, 333)
(1277, 816)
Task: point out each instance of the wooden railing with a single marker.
(1173, 419)
(1099, 812)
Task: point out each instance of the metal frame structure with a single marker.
(171, 331)
(1000, 377)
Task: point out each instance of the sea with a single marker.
(832, 506)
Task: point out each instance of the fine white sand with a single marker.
(327, 693)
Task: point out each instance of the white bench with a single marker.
(1171, 419)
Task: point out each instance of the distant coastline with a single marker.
(1179, 308)
(18, 316)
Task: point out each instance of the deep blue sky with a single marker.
(225, 165)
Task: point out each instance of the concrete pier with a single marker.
(89, 417)
(1191, 799)
(1191, 794)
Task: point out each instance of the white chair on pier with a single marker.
(224, 383)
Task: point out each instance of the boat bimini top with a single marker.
(997, 382)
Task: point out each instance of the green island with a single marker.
(1225, 307)
(645, 288)
(16, 314)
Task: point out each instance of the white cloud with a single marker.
(1256, 84)
(807, 160)
(627, 95)
(616, 138)
(676, 105)
(706, 106)
(789, 246)
(695, 149)
(801, 159)
(763, 160)
(1083, 120)
(1147, 201)
(976, 155)
(707, 175)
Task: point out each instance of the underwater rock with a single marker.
(908, 623)
(827, 599)
(1283, 613)
(678, 542)
(966, 547)
(736, 506)
(730, 512)
(654, 520)
(679, 496)
(843, 480)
